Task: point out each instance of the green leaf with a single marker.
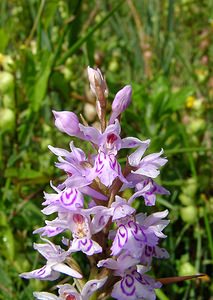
(23, 173)
(26, 294)
(90, 32)
(58, 83)
(7, 248)
(49, 12)
(39, 88)
(178, 99)
(4, 39)
(31, 214)
(90, 51)
(5, 283)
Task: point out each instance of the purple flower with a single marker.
(119, 265)
(82, 227)
(72, 163)
(121, 209)
(150, 194)
(121, 102)
(145, 187)
(106, 166)
(131, 237)
(152, 251)
(86, 245)
(70, 199)
(68, 292)
(149, 165)
(67, 122)
(134, 233)
(134, 285)
(90, 179)
(55, 256)
(154, 222)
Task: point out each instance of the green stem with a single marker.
(160, 295)
(190, 157)
(60, 43)
(186, 149)
(1, 152)
(185, 228)
(199, 249)
(40, 10)
(208, 231)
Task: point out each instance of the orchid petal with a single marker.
(91, 286)
(132, 142)
(68, 290)
(59, 151)
(135, 157)
(139, 193)
(45, 296)
(90, 134)
(86, 245)
(62, 268)
(93, 193)
(44, 273)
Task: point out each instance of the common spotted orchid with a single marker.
(90, 214)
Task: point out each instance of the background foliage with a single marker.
(163, 49)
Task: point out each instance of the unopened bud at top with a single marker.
(121, 102)
(67, 122)
(97, 80)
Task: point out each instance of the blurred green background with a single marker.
(164, 50)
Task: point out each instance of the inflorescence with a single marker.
(119, 242)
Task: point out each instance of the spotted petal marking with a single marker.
(127, 285)
(120, 240)
(71, 198)
(137, 232)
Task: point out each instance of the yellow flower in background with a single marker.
(190, 100)
(201, 74)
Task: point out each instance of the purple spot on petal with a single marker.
(101, 220)
(148, 250)
(129, 289)
(122, 236)
(99, 168)
(137, 276)
(129, 280)
(137, 231)
(41, 271)
(83, 242)
(132, 143)
(111, 138)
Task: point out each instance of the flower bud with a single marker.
(121, 102)
(67, 122)
(97, 79)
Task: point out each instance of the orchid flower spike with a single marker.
(92, 216)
